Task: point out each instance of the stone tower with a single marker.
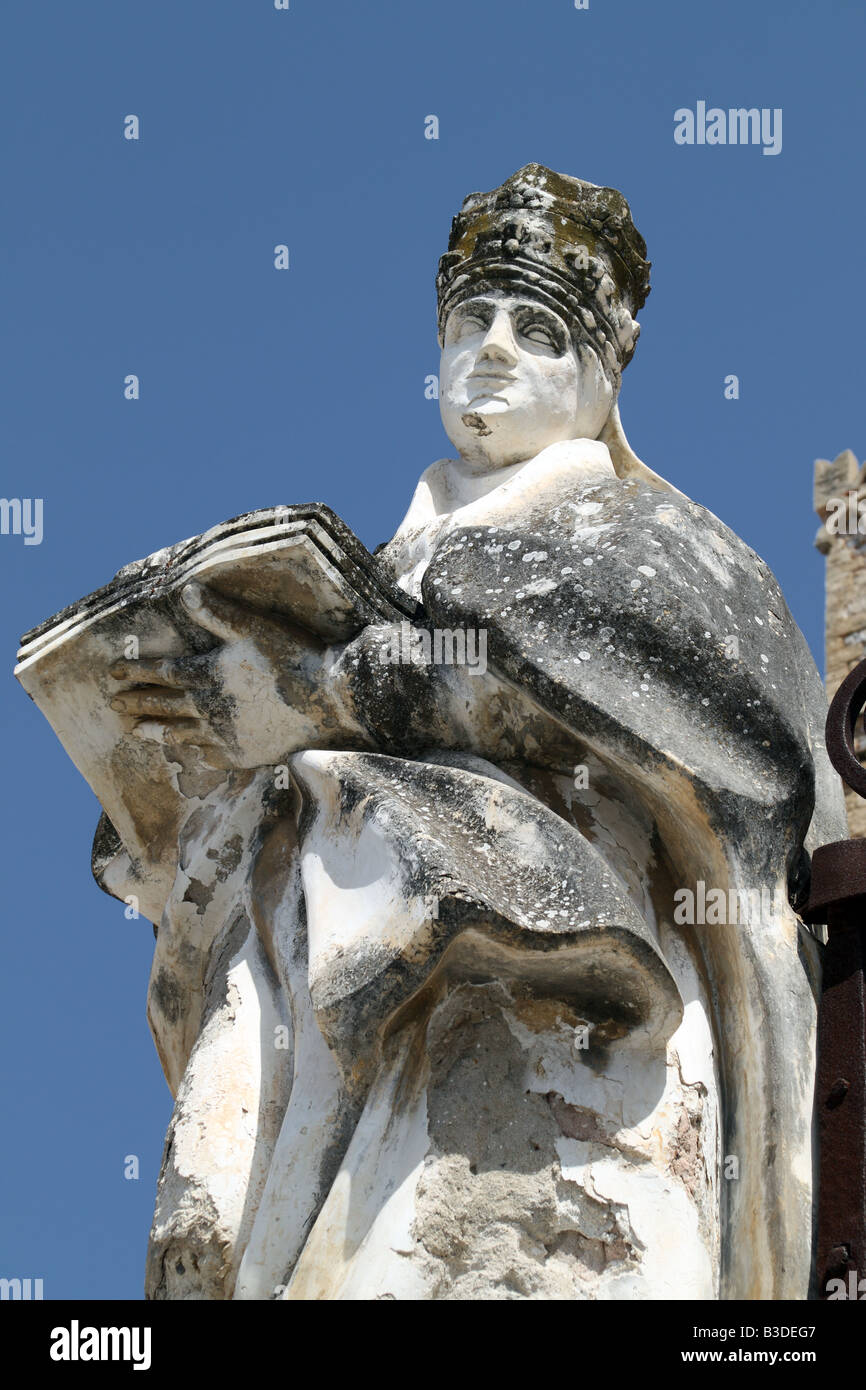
(840, 501)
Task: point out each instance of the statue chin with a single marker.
(494, 435)
(493, 432)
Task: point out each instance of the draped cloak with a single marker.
(628, 632)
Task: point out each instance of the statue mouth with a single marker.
(488, 386)
(501, 377)
(479, 398)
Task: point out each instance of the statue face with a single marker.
(511, 382)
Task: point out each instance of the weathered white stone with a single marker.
(433, 1028)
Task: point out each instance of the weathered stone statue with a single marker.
(477, 973)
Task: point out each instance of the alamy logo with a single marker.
(846, 516)
(736, 126)
(415, 646)
(22, 516)
(855, 1289)
(24, 1289)
(75, 1343)
(713, 907)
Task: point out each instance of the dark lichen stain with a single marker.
(168, 997)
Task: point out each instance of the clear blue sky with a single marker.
(306, 127)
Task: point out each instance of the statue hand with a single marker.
(262, 694)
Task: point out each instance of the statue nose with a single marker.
(499, 344)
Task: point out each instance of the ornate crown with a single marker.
(569, 244)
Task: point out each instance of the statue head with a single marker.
(513, 381)
(537, 293)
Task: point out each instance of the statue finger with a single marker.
(191, 731)
(176, 731)
(223, 617)
(153, 701)
(232, 622)
(176, 671)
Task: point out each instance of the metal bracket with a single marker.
(837, 898)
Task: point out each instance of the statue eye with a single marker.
(469, 325)
(538, 332)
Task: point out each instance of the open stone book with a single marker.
(301, 562)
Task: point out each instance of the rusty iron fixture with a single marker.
(837, 899)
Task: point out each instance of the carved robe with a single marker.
(432, 1026)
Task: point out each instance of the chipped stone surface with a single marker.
(512, 1190)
